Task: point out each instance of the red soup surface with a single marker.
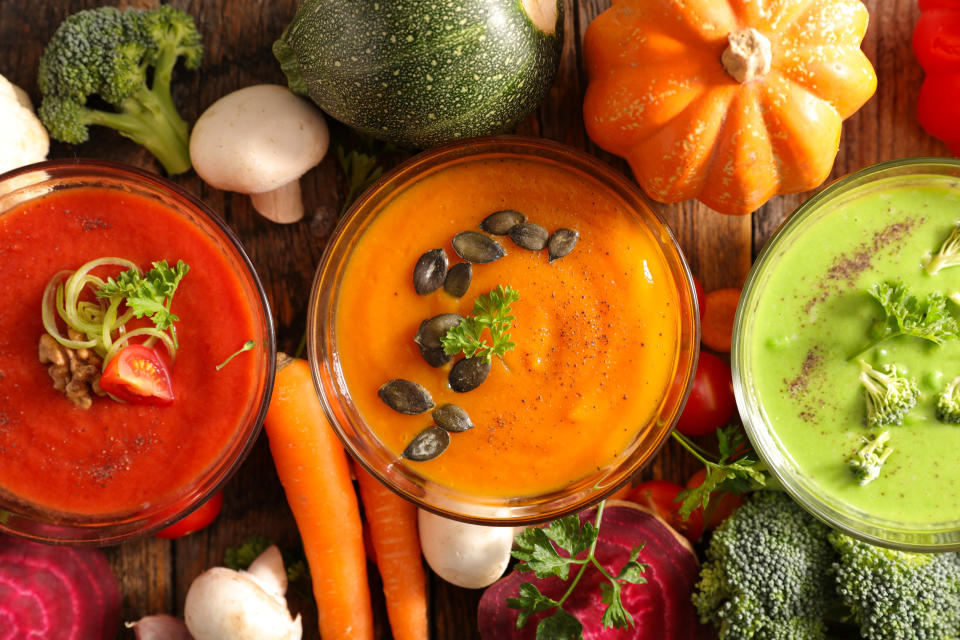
(116, 458)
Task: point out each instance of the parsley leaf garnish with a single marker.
(148, 295)
(737, 469)
(491, 314)
(904, 315)
(539, 550)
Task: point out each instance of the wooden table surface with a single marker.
(238, 34)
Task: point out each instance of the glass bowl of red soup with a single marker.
(123, 298)
(502, 330)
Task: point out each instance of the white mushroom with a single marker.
(223, 604)
(259, 141)
(467, 555)
(23, 140)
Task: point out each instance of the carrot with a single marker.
(719, 309)
(315, 474)
(392, 522)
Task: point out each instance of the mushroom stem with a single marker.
(282, 205)
(269, 573)
(747, 55)
(543, 14)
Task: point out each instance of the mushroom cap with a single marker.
(257, 139)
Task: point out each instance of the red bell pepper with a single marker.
(936, 43)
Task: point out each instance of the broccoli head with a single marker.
(894, 595)
(113, 68)
(867, 462)
(767, 573)
(890, 396)
(948, 403)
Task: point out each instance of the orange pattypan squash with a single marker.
(727, 101)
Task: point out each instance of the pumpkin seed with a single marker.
(561, 243)
(458, 279)
(427, 444)
(499, 223)
(430, 272)
(429, 334)
(468, 374)
(432, 329)
(435, 356)
(406, 396)
(529, 236)
(475, 247)
(452, 418)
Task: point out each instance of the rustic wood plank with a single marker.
(155, 574)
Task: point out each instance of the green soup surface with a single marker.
(813, 311)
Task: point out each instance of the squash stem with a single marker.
(747, 56)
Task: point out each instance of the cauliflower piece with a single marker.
(23, 139)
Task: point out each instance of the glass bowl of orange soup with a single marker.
(605, 335)
(116, 470)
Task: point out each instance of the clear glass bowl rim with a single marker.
(85, 532)
(940, 536)
(506, 512)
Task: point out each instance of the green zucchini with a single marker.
(423, 72)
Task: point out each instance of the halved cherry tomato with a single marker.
(198, 519)
(716, 326)
(721, 503)
(139, 375)
(660, 496)
(711, 403)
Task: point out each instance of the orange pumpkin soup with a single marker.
(596, 331)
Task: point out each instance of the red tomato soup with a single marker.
(116, 458)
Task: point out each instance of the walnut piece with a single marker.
(75, 372)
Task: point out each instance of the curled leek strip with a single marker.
(50, 296)
(99, 320)
(145, 331)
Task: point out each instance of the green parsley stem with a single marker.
(585, 561)
(247, 346)
(694, 450)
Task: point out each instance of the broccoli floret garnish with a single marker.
(867, 462)
(948, 255)
(889, 395)
(767, 573)
(894, 595)
(109, 55)
(948, 403)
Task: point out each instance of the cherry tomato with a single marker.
(721, 503)
(716, 322)
(701, 296)
(659, 496)
(198, 519)
(139, 375)
(711, 403)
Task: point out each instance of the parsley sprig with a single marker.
(360, 170)
(737, 469)
(491, 314)
(905, 315)
(538, 549)
(150, 294)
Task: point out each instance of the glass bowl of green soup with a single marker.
(846, 355)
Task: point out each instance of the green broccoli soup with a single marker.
(852, 345)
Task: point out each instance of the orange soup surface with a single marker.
(113, 457)
(597, 331)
